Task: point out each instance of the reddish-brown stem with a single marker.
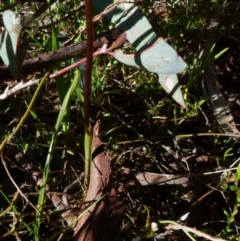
(103, 50)
(87, 90)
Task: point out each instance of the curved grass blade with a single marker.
(41, 197)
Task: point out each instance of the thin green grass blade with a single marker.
(62, 87)
(27, 112)
(87, 138)
(221, 53)
(41, 197)
(237, 174)
(61, 83)
(113, 129)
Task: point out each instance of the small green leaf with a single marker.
(224, 186)
(228, 153)
(226, 213)
(233, 188)
(238, 198)
(220, 53)
(238, 173)
(235, 210)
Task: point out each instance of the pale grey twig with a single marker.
(17, 88)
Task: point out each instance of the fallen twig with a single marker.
(17, 88)
(177, 226)
(48, 59)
